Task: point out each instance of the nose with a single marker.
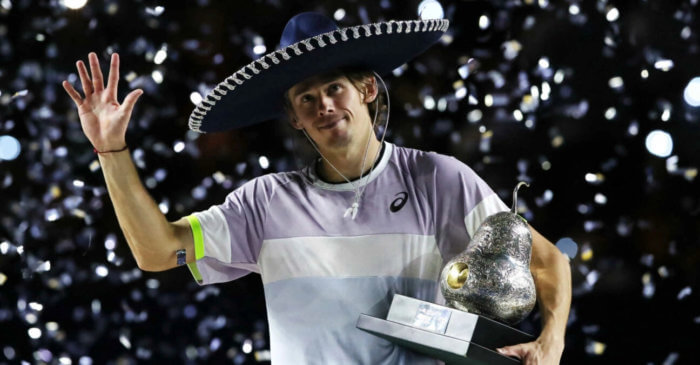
(325, 105)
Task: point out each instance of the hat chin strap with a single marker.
(359, 188)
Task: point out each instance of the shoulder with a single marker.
(264, 187)
(425, 161)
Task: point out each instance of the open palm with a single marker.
(103, 119)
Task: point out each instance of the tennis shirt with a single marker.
(320, 271)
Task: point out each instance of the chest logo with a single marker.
(399, 202)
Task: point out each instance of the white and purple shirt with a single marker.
(320, 271)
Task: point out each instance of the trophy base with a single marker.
(447, 334)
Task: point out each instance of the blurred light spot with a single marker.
(430, 9)
(160, 56)
(586, 253)
(263, 355)
(52, 215)
(429, 103)
(663, 65)
(3, 279)
(663, 271)
(78, 183)
(4, 247)
(546, 165)
(691, 94)
(34, 333)
(610, 113)
(9, 148)
(259, 49)
(666, 115)
(511, 49)
(52, 326)
(600, 199)
(558, 77)
(543, 62)
(9, 352)
(567, 246)
(686, 32)
(155, 11)
(74, 4)
(65, 360)
(684, 292)
(616, 82)
(191, 352)
(612, 15)
(595, 348)
(264, 162)
(659, 143)
(518, 115)
(645, 73)
(6, 4)
(633, 129)
(339, 14)
(157, 76)
(152, 283)
(101, 271)
(179, 146)
(488, 100)
(474, 116)
(36, 306)
(484, 22)
(463, 71)
(247, 346)
(124, 341)
(164, 207)
(195, 98)
(461, 93)
(574, 9)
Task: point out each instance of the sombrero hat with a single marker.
(310, 44)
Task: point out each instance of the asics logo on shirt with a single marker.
(399, 202)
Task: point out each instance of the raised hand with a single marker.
(103, 119)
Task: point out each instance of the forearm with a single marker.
(553, 284)
(147, 232)
(552, 275)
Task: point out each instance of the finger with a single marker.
(113, 79)
(97, 80)
(73, 94)
(84, 78)
(130, 100)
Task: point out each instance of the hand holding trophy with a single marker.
(489, 286)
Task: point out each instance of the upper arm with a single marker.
(544, 253)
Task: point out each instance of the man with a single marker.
(337, 238)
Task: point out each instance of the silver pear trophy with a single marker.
(492, 276)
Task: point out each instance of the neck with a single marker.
(348, 160)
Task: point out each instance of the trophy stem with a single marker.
(514, 209)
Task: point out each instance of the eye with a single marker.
(334, 88)
(306, 98)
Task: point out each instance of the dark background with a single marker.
(66, 270)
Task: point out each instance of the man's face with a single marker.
(331, 110)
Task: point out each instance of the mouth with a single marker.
(331, 124)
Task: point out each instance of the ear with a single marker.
(371, 90)
(294, 122)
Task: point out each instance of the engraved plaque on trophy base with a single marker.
(450, 335)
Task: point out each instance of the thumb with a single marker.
(130, 100)
(515, 350)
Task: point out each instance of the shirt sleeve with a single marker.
(228, 237)
(462, 202)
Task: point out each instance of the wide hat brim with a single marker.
(254, 93)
